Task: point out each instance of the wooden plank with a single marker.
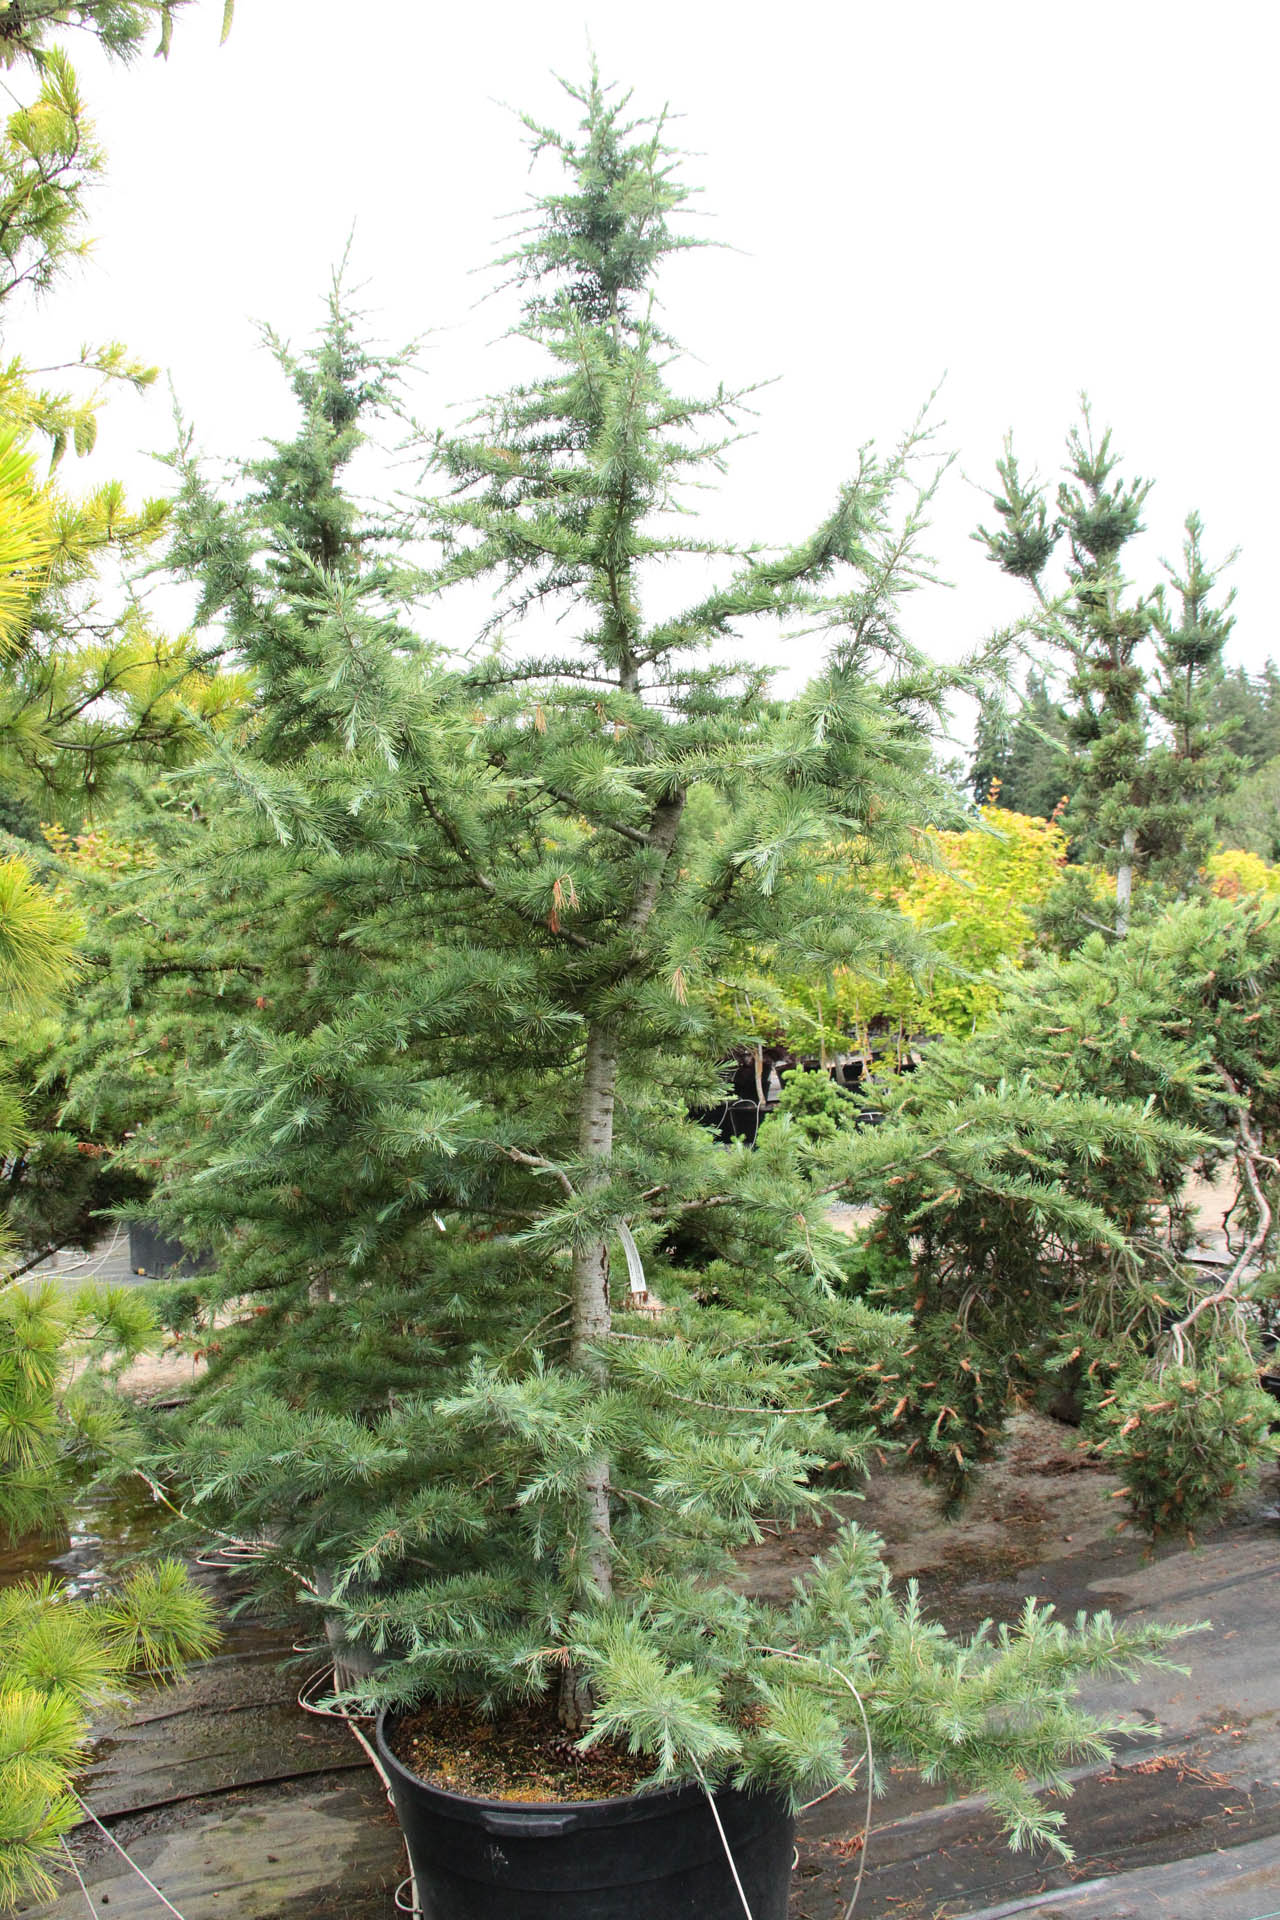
(329, 1850)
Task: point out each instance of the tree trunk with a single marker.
(591, 1313)
(352, 1663)
(592, 1316)
(1124, 881)
(591, 1323)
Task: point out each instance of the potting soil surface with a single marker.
(524, 1755)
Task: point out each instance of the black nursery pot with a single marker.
(646, 1856)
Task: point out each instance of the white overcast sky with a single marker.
(1026, 199)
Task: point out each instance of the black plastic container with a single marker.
(153, 1253)
(647, 1856)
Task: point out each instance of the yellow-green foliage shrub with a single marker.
(970, 894)
(1232, 872)
(974, 904)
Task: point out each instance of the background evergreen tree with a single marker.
(1252, 703)
(1194, 763)
(1025, 749)
(1031, 1217)
(1250, 816)
(1148, 759)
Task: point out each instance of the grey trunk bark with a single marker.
(1124, 881)
(591, 1323)
(592, 1316)
(352, 1663)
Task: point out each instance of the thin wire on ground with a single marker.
(71, 1862)
(125, 1856)
(328, 1676)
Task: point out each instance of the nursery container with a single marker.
(643, 1856)
(155, 1254)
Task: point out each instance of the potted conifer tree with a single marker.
(520, 1356)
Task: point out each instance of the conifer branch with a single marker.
(542, 1166)
(633, 834)
(482, 880)
(1248, 1156)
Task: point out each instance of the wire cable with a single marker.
(71, 1862)
(126, 1857)
(724, 1842)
